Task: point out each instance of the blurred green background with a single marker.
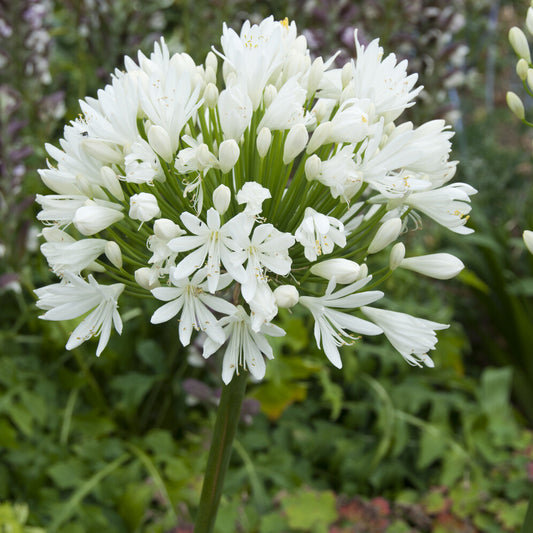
(119, 443)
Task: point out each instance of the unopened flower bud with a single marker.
(54, 234)
(264, 138)
(387, 233)
(346, 74)
(111, 182)
(315, 75)
(144, 277)
(343, 270)
(160, 141)
(529, 77)
(102, 150)
(92, 218)
(210, 75)
(319, 137)
(295, 142)
(113, 253)
(516, 105)
(438, 266)
(211, 60)
(211, 95)
(228, 155)
(529, 20)
(323, 109)
(221, 198)
(528, 239)
(518, 41)
(286, 296)
(396, 255)
(166, 230)
(363, 273)
(269, 95)
(313, 166)
(521, 68)
(204, 156)
(143, 207)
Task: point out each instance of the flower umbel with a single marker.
(285, 184)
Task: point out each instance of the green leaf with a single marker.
(276, 397)
(133, 503)
(331, 393)
(273, 523)
(67, 474)
(309, 510)
(133, 386)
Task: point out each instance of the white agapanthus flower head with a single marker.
(229, 193)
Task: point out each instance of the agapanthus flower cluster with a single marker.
(259, 180)
(524, 69)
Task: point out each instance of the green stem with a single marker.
(528, 522)
(220, 452)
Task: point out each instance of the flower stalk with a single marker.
(226, 422)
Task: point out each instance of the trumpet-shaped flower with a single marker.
(190, 297)
(332, 326)
(74, 297)
(413, 337)
(246, 347)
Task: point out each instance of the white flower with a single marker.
(72, 256)
(144, 207)
(341, 174)
(59, 208)
(412, 337)
(190, 297)
(258, 53)
(438, 266)
(209, 241)
(74, 297)
(245, 346)
(383, 81)
(253, 195)
(142, 164)
(319, 233)
(235, 112)
(263, 306)
(331, 325)
(267, 249)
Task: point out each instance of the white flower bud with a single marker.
(346, 74)
(210, 75)
(522, 68)
(143, 207)
(295, 142)
(211, 61)
(313, 166)
(113, 253)
(166, 230)
(211, 95)
(286, 296)
(315, 75)
(144, 277)
(204, 157)
(518, 41)
(228, 155)
(343, 270)
(319, 137)
(111, 182)
(92, 218)
(323, 109)
(396, 255)
(221, 198)
(438, 266)
(516, 105)
(102, 150)
(529, 77)
(270, 93)
(363, 273)
(264, 138)
(387, 233)
(528, 239)
(529, 20)
(159, 140)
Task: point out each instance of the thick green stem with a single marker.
(220, 451)
(528, 522)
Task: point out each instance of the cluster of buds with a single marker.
(524, 69)
(291, 183)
